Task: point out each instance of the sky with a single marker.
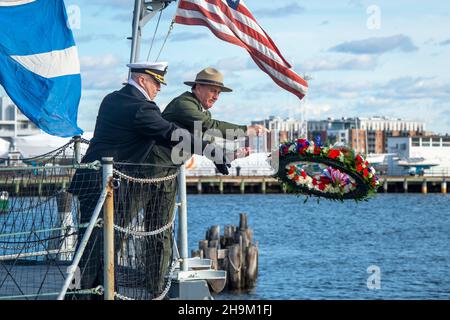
(366, 58)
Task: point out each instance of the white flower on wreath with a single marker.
(292, 147)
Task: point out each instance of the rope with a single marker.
(236, 269)
(154, 35)
(140, 234)
(85, 141)
(121, 297)
(165, 39)
(58, 152)
(163, 293)
(35, 243)
(34, 254)
(169, 282)
(141, 180)
(83, 225)
(49, 294)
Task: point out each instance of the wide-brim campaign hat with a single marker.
(156, 70)
(209, 76)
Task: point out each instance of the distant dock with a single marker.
(267, 184)
(242, 185)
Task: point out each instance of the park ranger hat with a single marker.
(209, 76)
(156, 70)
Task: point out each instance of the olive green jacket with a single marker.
(185, 109)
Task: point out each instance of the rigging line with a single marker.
(154, 34)
(167, 36)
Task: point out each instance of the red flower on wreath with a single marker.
(325, 179)
(302, 150)
(365, 173)
(333, 153)
(359, 159)
(291, 170)
(317, 150)
(374, 181)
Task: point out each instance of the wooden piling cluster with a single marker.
(233, 252)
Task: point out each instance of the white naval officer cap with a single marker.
(155, 69)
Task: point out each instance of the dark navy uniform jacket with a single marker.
(127, 128)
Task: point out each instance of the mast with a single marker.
(143, 12)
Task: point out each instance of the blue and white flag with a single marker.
(39, 65)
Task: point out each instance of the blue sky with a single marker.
(388, 58)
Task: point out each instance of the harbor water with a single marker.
(395, 246)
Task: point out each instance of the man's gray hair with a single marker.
(136, 75)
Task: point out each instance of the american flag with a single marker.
(231, 21)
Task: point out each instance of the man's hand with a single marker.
(256, 130)
(223, 166)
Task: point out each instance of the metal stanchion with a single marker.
(182, 216)
(108, 230)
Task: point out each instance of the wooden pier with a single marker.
(267, 184)
(242, 185)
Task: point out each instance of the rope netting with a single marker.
(144, 205)
(46, 204)
(144, 231)
(64, 155)
(39, 223)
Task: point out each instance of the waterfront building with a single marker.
(365, 135)
(13, 123)
(425, 155)
(286, 129)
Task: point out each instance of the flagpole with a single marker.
(143, 13)
(136, 32)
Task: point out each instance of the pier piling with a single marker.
(233, 252)
(242, 186)
(199, 186)
(221, 186)
(424, 187)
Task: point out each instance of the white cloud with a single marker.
(113, 3)
(279, 12)
(445, 43)
(98, 37)
(377, 45)
(102, 72)
(316, 110)
(363, 62)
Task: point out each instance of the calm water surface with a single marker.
(323, 251)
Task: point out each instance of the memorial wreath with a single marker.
(336, 173)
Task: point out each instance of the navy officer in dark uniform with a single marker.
(129, 124)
